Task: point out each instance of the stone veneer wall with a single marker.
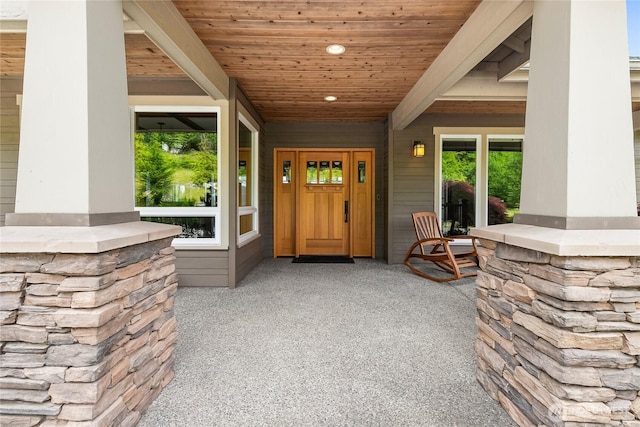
(86, 339)
(559, 337)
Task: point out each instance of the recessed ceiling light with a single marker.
(330, 98)
(335, 49)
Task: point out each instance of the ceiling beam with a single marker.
(166, 27)
(514, 61)
(483, 86)
(490, 24)
(514, 43)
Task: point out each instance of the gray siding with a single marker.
(412, 179)
(9, 141)
(247, 257)
(324, 135)
(251, 254)
(386, 182)
(202, 268)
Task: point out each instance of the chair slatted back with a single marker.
(426, 225)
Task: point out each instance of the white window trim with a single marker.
(245, 118)
(482, 137)
(215, 212)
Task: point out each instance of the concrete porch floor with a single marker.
(326, 345)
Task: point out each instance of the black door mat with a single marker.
(322, 259)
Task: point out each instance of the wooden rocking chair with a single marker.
(434, 247)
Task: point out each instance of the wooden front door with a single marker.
(324, 202)
(323, 227)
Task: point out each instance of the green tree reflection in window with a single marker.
(176, 168)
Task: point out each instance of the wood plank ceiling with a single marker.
(276, 51)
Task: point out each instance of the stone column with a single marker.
(559, 335)
(87, 328)
(559, 291)
(86, 289)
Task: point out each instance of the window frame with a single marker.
(245, 118)
(482, 137)
(195, 211)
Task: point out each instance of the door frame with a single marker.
(356, 156)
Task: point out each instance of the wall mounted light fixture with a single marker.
(418, 148)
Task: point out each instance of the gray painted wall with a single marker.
(324, 135)
(9, 141)
(251, 254)
(412, 179)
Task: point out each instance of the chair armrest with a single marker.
(435, 240)
(463, 236)
(467, 237)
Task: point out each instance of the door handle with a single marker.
(346, 211)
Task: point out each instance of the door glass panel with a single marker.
(312, 172)
(504, 179)
(458, 186)
(336, 172)
(286, 172)
(362, 172)
(324, 172)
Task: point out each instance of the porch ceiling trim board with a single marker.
(490, 24)
(19, 26)
(165, 26)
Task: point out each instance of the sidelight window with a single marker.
(248, 180)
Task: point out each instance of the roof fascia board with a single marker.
(490, 24)
(166, 28)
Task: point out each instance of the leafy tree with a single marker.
(505, 176)
(154, 169)
(459, 166)
(164, 159)
(204, 165)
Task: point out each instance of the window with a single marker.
(504, 179)
(247, 180)
(479, 179)
(176, 170)
(458, 185)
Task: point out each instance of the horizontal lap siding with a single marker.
(385, 167)
(202, 268)
(413, 178)
(9, 142)
(247, 257)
